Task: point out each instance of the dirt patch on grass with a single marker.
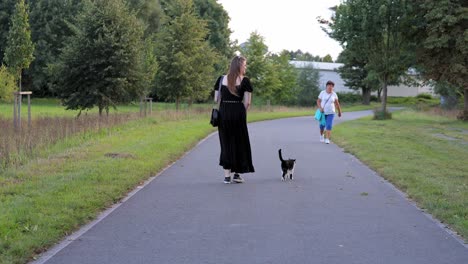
(119, 155)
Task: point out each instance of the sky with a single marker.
(284, 24)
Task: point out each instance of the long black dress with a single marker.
(233, 134)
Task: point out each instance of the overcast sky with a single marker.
(285, 24)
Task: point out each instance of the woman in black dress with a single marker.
(235, 98)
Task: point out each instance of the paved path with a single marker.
(187, 215)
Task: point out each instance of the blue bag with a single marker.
(319, 116)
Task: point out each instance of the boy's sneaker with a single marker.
(322, 138)
(227, 180)
(327, 141)
(237, 178)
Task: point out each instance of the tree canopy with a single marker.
(20, 48)
(102, 64)
(185, 58)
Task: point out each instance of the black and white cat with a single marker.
(287, 166)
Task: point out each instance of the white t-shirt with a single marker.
(328, 108)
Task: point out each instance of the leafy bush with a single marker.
(7, 85)
(349, 97)
(424, 96)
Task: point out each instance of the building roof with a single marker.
(324, 66)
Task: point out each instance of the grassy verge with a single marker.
(74, 180)
(41, 107)
(423, 155)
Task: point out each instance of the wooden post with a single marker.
(29, 111)
(14, 111)
(20, 98)
(151, 106)
(141, 106)
(17, 109)
(150, 101)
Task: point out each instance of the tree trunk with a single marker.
(464, 115)
(19, 80)
(384, 96)
(366, 95)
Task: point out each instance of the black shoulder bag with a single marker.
(214, 121)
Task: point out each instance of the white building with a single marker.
(329, 71)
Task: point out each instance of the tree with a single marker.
(307, 88)
(19, 51)
(7, 8)
(184, 56)
(218, 36)
(287, 76)
(301, 56)
(150, 13)
(7, 84)
(356, 76)
(327, 58)
(102, 64)
(50, 28)
(440, 30)
(374, 30)
(256, 51)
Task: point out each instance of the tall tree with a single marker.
(19, 50)
(440, 30)
(102, 65)
(50, 28)
(256, 51)
(219, 33)
(375, 30)
(287, 76)
(184, 56)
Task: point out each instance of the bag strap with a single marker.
(328, 99)
(219, 90)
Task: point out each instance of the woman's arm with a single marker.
(319, 104)
(247, 100)
(337, 105)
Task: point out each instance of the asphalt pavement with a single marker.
(336, 210)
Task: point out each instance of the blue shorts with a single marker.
(328, 122)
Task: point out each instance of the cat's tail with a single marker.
(280, 156)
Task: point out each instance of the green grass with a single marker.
(41, 107)
(74, 180)
(423, 155)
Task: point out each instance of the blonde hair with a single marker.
(234, 73)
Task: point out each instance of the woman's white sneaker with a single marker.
(327, 141)
(322, 138)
